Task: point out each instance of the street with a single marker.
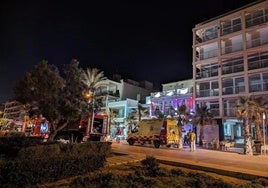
(256, 165)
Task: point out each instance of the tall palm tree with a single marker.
(259, 105)
(245, 113)
(93, 79)
(202, 115)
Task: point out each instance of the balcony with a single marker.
(232, 48)
(207, 93)
(257, 18)
(257, 42)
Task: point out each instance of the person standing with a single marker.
(192, 136)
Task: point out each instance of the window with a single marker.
(233, 65)
(239, 85)
(207, 89)
(214, 108)
(230, 45)
(231, 26)
(227, 86)
(215, 88)
(258, 60)
(230, 107)
(255, 18)
(206, 71)
(265, 82)
(210, 33)
(254, 83)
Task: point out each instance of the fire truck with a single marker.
(96, 131)
(155, 131)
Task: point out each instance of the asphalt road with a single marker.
(222, 162)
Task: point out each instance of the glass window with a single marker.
(215, 88)
(237, 24)
(255, 18)
(231, 26)
(230, 107)
(254, 83)
(265, 81)
(239, 85)
(214, 108)
(227, 86)
(233, 65)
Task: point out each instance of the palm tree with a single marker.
(93, 79)
(201, 116)
(142, 111)
(245, 113)
(259, 107)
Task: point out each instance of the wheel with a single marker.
(168, 146)
(130, 141)
(156, 143)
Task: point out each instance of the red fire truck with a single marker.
(98, 131)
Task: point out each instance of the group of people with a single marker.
(189, 139)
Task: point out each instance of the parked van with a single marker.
(155, 131)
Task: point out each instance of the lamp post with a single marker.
(92, 115)
(90, 98)
(263, 127)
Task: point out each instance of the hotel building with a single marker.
(230, 59)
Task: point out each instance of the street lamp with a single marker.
(90, 97)
(263, 126)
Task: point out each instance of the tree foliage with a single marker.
(58, 97)
(250, 111)
(93, 79)
(201, 116)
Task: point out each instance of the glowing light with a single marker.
(170, 93)
(157, 95)
(184, 91)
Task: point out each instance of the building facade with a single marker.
(172, 96)
(230, 59)
(120, 97)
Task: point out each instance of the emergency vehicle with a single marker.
(100, 129)
(155, 131)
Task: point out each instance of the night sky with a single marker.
(141, 40)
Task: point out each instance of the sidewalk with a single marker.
(230, 163)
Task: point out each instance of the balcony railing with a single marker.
(258, 64)
(207, 55)
(257, 42)
(232, 48)
(257, 20)
(207, 93)
(233, 90)
(231, 112)
(231, 29)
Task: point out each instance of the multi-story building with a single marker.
(13, 116)
(119, 89)
(172, 96)
(120, 97)
(230, 59)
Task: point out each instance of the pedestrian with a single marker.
(192, 141)
(186, 139)
(118, 135)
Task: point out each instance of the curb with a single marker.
(239, 175)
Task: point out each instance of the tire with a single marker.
(130, 141)
(156, 143)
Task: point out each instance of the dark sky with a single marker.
(141, 40)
